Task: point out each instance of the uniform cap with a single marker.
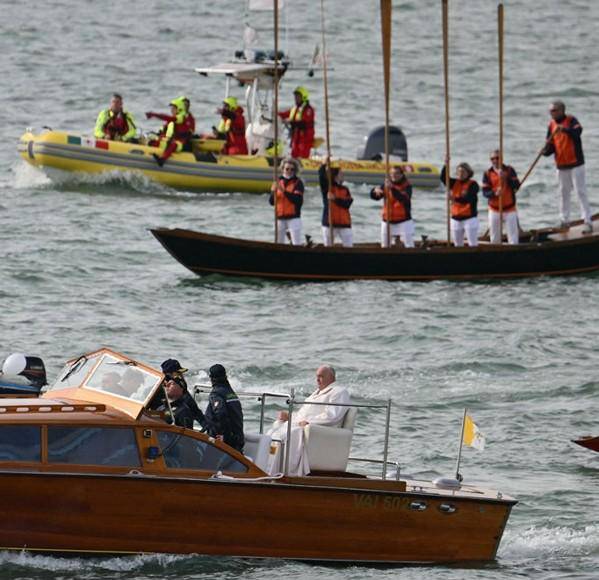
(171, 365)
(217, 372)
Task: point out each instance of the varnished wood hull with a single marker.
(544, 253)
(591, 443)
(137, 514)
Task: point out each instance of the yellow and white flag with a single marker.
(472, 434)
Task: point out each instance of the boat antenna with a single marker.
(326, 117)
(275, 164)
(500, 60)
(386, 39)
(447, 141)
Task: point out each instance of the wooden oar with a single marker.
(386, 39)
(502, 177)
(447, 142)
(326, 117)
(536, 160)
(275, 164)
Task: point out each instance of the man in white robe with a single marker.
(329, 415)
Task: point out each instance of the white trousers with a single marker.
(294, 227)
(469, 226)
(345, 235)
(405, 231)
(510, 221)
(298, 458)
(569, 179)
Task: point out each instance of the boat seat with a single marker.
(257, 449)
(328, 448)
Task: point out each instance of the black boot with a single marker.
(158, 159)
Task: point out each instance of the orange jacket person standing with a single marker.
(232, 128)
(399, 204)
(493, 188)
(464, 199)
(289, 190)
(339, 200)
(301, 120)
(564, 142)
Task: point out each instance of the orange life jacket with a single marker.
(401, 211)
(285, 208)
(566, 153)
(340, 215)
(508, 196)
(461, 210)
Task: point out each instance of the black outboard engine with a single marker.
(374, 144)
(22, 375)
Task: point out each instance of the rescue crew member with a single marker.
(289, 191)
(501, 182)
(463, 191)
(339, 198)
(301, 121)
(224, 416)
(114, 123)
(176, 132)
(232, 128)
(189, 118)
(399, 205)
(564, 141)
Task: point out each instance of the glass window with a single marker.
(110, 446)
(20, 443)
(183, 452)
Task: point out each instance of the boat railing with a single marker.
(291, 401)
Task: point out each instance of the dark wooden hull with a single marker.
(542, 253)
(591, 443)
(88, 513)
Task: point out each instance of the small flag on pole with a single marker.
(263, 5)
(472, 434)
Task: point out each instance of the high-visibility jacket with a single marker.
(464, 197)
(340, 215)
(115, 126)
(290, 196)
(302, 129)
(492, 183)
(567, 144)
(232, 125)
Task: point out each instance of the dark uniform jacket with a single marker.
(185, 411)
(224, 415)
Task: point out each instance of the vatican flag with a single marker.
(472, 435)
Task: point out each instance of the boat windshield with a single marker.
(109, 373)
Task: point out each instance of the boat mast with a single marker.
(386, 40)
(326, 117)
(500, 59)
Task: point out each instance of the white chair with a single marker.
(257, 449)
(328, 447)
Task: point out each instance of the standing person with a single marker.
(339, 198)
(399, 205)
(224, 416)
(564, 141)
(232, 127)
(114, 123)
(175, 134)
(501, 182)
(289, 191)
(301, 121)
(331, 415)
(464, 199)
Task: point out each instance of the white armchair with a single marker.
(257, 449)
(328, 447)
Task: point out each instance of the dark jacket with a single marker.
(224, 415)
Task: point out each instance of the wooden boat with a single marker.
(87, 468)
(201, 171)
(589, 442)
(544, 252)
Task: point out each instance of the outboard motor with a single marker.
(22, 375)
(374, 144)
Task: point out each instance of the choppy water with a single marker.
(80, 269)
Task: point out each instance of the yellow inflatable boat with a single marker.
(202, 170)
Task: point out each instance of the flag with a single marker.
(472, 435)
(264, 4)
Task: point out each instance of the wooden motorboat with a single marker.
(544, 252)
(87, 468)
(589, 442)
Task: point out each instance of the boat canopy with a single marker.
(106, 376)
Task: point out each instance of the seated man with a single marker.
(331, 416)
(114, 123)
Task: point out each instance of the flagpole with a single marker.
(386, 40)
(457, 465)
